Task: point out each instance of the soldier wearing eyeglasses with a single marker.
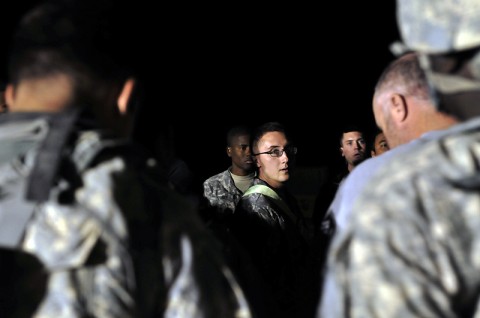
(268, 223)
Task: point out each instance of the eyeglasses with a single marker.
(291, 151)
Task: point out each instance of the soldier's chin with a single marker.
(358, 160)
(248, 165)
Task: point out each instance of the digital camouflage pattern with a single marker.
(413, 246)
(221, 192)
(432, 26)
(66, 236)
(117, 242)
(440, 27)
(197, 280)
(278, 249)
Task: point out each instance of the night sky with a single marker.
(209, 67)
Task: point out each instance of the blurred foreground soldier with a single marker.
(82, 201)
(412, 247)
(58, 201)
(401, 95)
(3, 102)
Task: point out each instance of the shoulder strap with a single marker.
(49, 154)
(263, 189)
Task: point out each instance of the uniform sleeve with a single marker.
(85, 248)
(395, 259)
(208, 191)
(197, 280)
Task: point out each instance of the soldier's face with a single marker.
(241, 155)
(273, 170)
(380, 145)
(353, 147)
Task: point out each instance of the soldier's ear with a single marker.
(125, 94)
(9, 94)
(229, 151)
(398, 108)
(256, 162)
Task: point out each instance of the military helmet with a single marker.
(442, 27)
(439, 26)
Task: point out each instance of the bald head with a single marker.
(405, 76)
(402, 105)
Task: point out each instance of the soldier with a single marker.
(353, 148)
(85, 202)
(411, 248)
(224, 190)
(269, 225)
(379, 144)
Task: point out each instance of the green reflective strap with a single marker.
(263, 189)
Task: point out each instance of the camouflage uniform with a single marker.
(430, 26)
(197, 280)
(83, 245)
(277, 248)
(221, 192)
(119, 218)
(435, 28)
(412, 247)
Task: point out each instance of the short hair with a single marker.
(71, 38)
(374, 136)
(236, 131)
(349, 128)
(407, 72)
(266, 128)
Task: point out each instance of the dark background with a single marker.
(208, 67)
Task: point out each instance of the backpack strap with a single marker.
(263, 189)
(49, 155)
(21, 194)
